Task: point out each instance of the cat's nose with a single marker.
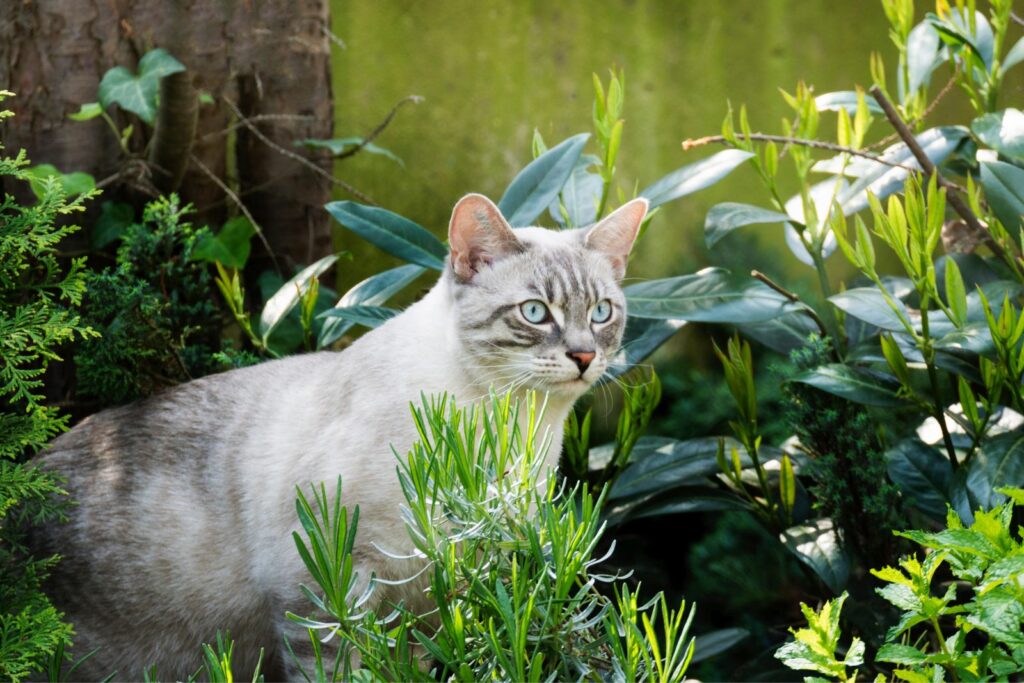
(581, 359)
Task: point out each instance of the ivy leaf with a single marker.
(138, 93)
(229, 247)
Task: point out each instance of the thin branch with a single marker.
(929, 169)
(415, 99)
(297, 157)
(758, 275)
(815, 144)
(931, 107)
(260, 118)
(241, 207)
(329, 34)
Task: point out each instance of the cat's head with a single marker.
(537, 308)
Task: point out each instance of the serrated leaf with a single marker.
(694, 177)
(894, 653)
(537, 185)
(726, 217)
(394, 234)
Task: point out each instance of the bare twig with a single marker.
(259, 118)
(929, 169)
(1016, 18)
(414, 99)
(329, 34)
(241, 207)
(931, 107)
(816, 144)
(297, 157)
(758, 275)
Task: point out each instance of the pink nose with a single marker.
(581, 358)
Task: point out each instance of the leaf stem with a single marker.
(933, 378)
(810, 312)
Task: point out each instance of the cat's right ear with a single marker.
(478, 235)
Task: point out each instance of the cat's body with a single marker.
(186, 501)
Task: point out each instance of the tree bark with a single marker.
(270, 57)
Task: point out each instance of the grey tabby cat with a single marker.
(186, 500)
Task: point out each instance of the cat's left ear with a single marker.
(614, 236)
(478, 235)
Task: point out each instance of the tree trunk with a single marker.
(269, 58)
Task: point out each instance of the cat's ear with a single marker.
(614, 236)
(478, 235)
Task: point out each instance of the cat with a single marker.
(186, 500)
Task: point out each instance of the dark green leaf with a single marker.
(782, 334)
(659, 463)
(539, 183)
(687, 499)
(114, 219)
(923, 474)
(724, 218)
(845, 99)
(229, 247)
(1003, 131)
(854, 384)
(999, 462)
(368, 316)
(394, 234)
(710, 295)
(580, 195)
(716, 642)
(817, 545)
(372, 291)
(285, 299)
(694, 177)
(643, 336)
(1004, 190)
(975, 338)
(868, 304)
(894, 653)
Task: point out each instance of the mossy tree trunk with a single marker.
(270, 58)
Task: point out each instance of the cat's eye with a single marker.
(535, 311)
(602, 311)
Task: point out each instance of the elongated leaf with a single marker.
(923, 54)
(710, 295)
(338, 146)
(1002, 131)
(285, 299)
(923, 474)
(537, 185)
(975, 338)
(716, 642)
(658, 463)
(137, 93)
(1004, 190)
(367, 316)
(642, 338)
(373, 291)
(782, 334)
(687, 499)
(854, 384)
(868, 304)
(955, 28)
(998, 463)
(882, 179)
(724, 218)
(816, 544)
(394, 234)
(694, 177)
(845, 99)
(87, 111)
(580, 195)
(1015, 55)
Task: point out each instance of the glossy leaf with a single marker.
(868, 304)
(955, 28)
(823, 195)
(923, 54)
(1003, 131)
(1014, 56)
(137, 93)
(367, 316)
(923, 474)
(694, 177)
(998, 463)
(724, 218)
(710, 295)
(686, 499)
(658, 463)
(854, 384)
(845, 99)
(394, 234)
(286, 298)
(373, 291)
(782, 334)
(537, 185)
(817, 545)
(882, 179)
(580, 195)
(642, 337)
(716, 642)
(1004, 190)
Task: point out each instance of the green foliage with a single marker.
(159, 325)
(38, 301)
(943, 630)
(509, 560)
(815, 648)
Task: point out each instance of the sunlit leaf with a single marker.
(537, 185)
(694, 177)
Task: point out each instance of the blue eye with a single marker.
(535, 311)
(602, 311)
